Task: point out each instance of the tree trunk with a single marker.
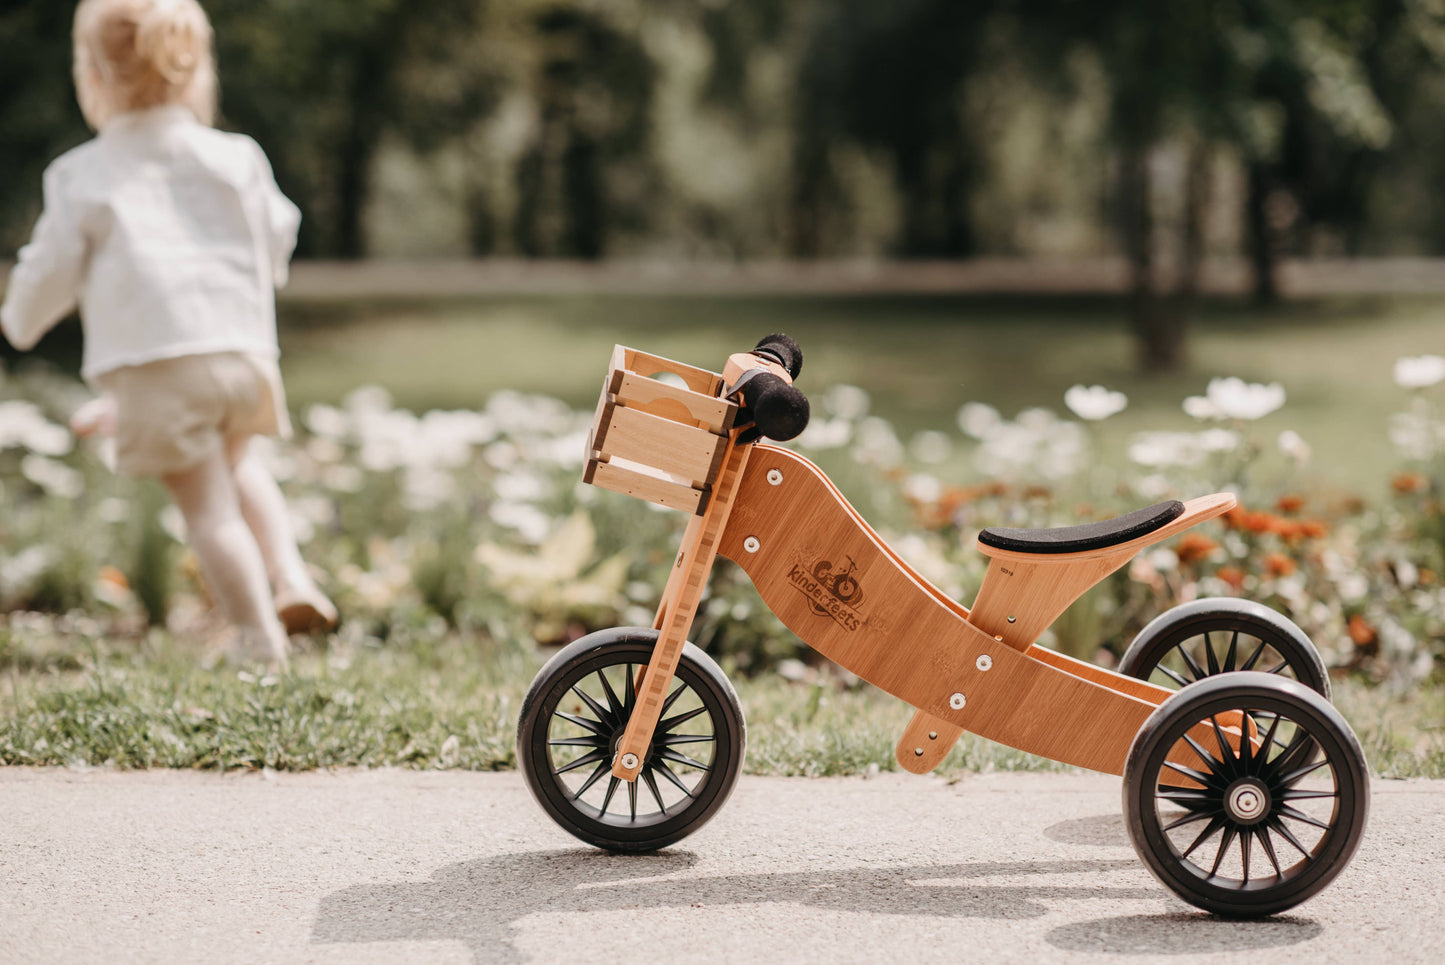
(1192, 242)
(1263, 255)
(358, 147)
(1157, 321)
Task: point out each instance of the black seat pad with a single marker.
(1090, 536)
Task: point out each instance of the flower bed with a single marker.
(477, 522)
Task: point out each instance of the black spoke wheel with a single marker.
(1223, 635)
(573, 718)
(1246, 828)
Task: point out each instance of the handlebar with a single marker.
(776, 408)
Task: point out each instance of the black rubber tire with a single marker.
(1178, 626)
(582, 660)
(1333, 763)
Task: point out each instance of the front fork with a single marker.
(676, 611)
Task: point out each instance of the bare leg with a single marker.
(229, 556)
(301, 603)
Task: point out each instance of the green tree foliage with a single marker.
(818, 127)
(38, 114)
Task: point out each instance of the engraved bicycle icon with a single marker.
(843, 585)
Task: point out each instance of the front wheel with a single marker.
(573, 718)
(1250, 827)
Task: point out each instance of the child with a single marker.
(170, 237)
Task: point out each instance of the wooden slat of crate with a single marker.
(676, 449)
(645, 364)
(670, 402)
(622, 476)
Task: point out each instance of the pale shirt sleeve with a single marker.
(45, 284)
(283, 220)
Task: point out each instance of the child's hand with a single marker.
(96, 417)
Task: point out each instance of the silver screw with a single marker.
(629, 761)
(775, 477)
(1012, 618)
(984, 662)
(917, 752)
(751, 544)
(957, 701)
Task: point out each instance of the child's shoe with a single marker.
(305, 610)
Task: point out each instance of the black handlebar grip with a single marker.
(783, 350)
(779, 411)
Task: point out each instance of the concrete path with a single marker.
(385, 866)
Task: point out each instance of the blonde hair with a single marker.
(135, 54)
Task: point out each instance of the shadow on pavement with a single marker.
(1181, 933)
(478, 902)
(1101, 830)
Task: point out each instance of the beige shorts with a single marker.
(172, 414)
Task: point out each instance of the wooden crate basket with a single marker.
(655, 440)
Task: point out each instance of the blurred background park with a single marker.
(961, 210)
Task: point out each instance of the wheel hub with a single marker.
(616, 742)
(1247, 801)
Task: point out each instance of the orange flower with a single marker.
(1405, 483)
(1427, 577)
(1290, 503)
(1232, 575)
(1361, 632)
(1277, 564)
(1254, 522)
(1192, 548)
(109, 574)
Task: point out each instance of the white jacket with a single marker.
(170, 236)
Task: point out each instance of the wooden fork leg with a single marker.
(679, 606)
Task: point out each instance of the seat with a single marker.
(1090, 536)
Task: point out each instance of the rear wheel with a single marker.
(572, 721)
(1223, 635)
(1246, 828)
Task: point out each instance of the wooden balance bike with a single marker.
(1245, 791)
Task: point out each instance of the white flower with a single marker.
(1293, 447)
(56, 478)
(846, 402)
(521, 487)
(530, 522)
(931, 447)
(1162, 449)
(328, 421)
(1234, 398)
(173, 523)
(367, 400)
(343, 479)
(1036, 444)
(1419, 372)
(1218, 440)
(23, 425)
(826, 434)
(923, 488)
(524, 416)
(877, 443)
(978, 420)
(1415, 435)
(1094, 402)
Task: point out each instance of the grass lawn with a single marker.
(453, 703)
(921, 358)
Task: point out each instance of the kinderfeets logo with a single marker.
(832, 591)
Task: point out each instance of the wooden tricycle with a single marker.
(1245, 791)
